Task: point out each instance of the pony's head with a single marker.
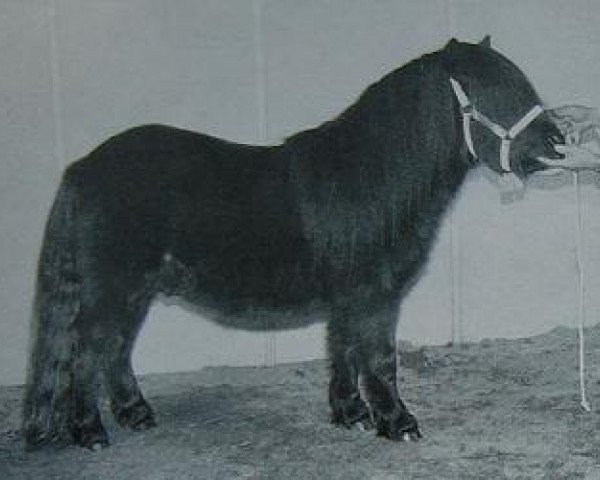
(502, 119)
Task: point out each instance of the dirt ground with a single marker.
(490, 410)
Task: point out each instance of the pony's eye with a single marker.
(557, 140)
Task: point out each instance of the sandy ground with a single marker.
(489, 410)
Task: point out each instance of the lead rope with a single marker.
(470, 113)
(581, 286)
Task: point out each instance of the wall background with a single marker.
(76, 72)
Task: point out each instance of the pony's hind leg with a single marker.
(105, 332)
(47, 410)
(127, 402)
(347, 406)
(87, 428)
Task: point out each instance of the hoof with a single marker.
(36, 439)
(145, 423)
(401, 426)
(411, 437)
(94, 439)
(352, 412)
(97, 446)
(138, 416)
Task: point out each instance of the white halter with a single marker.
(469, 112)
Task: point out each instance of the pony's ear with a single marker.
(453, 42)
(449, 55)
(486, 42)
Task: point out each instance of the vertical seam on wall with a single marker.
(260, 70)
(59, 149)
(455, 225)
(456, 279)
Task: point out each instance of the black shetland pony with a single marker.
(336, 222)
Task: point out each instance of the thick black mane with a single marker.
(374, 182)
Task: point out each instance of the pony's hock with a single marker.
(334, 223)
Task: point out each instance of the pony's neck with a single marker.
(409, 125)
(398, 152)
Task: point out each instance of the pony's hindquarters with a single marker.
(49, 383)
(92, 295)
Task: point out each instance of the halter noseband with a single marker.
(469, 112)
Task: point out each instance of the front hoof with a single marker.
(350, 412)
(137, 416)
(401, 426)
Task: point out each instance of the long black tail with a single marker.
(48, 394)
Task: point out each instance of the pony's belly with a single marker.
(250, 317)
(274, 296)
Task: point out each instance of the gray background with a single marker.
(74, 72)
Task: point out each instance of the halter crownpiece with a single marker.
(469, 113)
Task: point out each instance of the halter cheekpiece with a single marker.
(469, 113)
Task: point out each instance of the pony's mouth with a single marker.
(572, 157)
(536, 164)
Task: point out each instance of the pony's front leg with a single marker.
(347, 406)
(379, 369)
(392, 418)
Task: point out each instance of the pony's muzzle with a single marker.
(573, 157)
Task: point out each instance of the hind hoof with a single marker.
(94, 439)
(36, 439)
